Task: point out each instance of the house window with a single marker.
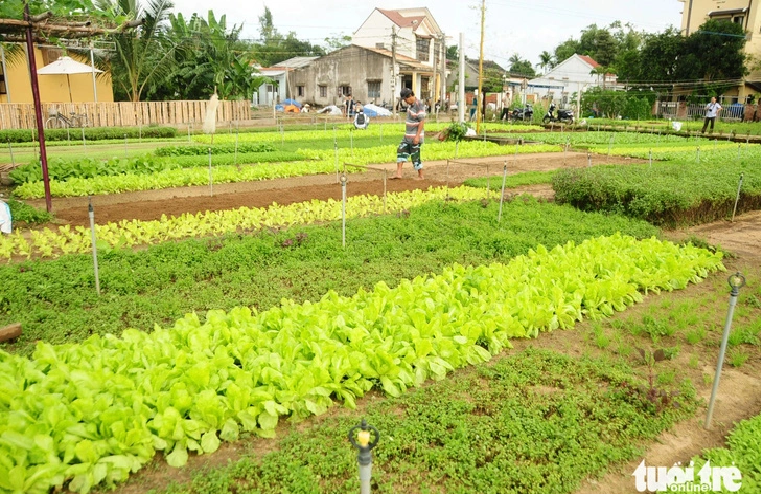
(423, 49)
(323, 91)
(299, 90)
(738, 19)
(373, 89)
(3, 90)
(344, 90)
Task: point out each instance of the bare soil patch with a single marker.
(152, 204)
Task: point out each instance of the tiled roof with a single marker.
(402, 21)
(591, 61)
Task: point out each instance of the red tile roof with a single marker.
(591, 61)
(402, 21)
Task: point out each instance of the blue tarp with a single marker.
(290, 101)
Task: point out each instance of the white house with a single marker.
(414, 34)
(280, 88)
(573, 75)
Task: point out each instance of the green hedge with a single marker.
(246, 147)
(668, 194)
(91, 134)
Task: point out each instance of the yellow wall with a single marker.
(752, 25)
(55, 88)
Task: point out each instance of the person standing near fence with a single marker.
(413, 135)
(712, 109)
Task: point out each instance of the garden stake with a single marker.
(188, 132)
(335, 154)
(84, 140)
(10, 150)
(697, 158)
(565, 153)
(140, 133)
(502, 196)
(738, 151)
(456, 148)
(589, 159)
(651, 158)
(343, 209)
(91, 214)
(736, 281)
(381, 132)
(610, 144)
(737, 199)
(68, 135)
(515, 156)
(365, 456)
(125, 146)
(211, 187)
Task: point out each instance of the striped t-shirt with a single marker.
(415, 117)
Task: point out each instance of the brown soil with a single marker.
(152, 204)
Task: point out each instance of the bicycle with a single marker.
(58, 120)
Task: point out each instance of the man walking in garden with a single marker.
(711, 111)
(413, 135)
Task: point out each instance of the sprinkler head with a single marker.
(736, 281)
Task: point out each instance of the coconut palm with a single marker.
(143, 56)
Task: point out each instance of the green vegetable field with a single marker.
(515, 344)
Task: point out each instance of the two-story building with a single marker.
(391, 49)
(744, 12)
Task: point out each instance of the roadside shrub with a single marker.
(91, 134)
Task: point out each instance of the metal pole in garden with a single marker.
(738, 151)
(10, 150)
(236, 144)
(697, 157)
(610, 144)
(381, 132)
(125, 146)
(343, 210)
(91, 214)
(211, 187)
(737, 199)
(502, 196)
(589, 159)
(84, 140)
(456, 149)
(736, 281)
(188, 133)
(651, 157)
(361, 441)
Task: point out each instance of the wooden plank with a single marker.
(10, 332)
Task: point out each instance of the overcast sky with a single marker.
(526, 27)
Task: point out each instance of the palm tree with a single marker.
(546, 60)
(143, 56)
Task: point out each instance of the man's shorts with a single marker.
(409, 151)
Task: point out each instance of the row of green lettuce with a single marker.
(95, 412)
(320, 161)
(131, 233)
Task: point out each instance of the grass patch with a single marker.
(516, 180)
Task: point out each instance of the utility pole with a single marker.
(461, 88)
(393, 70)
(480, 69)
(443, 80)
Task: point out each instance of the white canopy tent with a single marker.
(67, 66)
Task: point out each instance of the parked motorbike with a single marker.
(526, 113)
(563, 115)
